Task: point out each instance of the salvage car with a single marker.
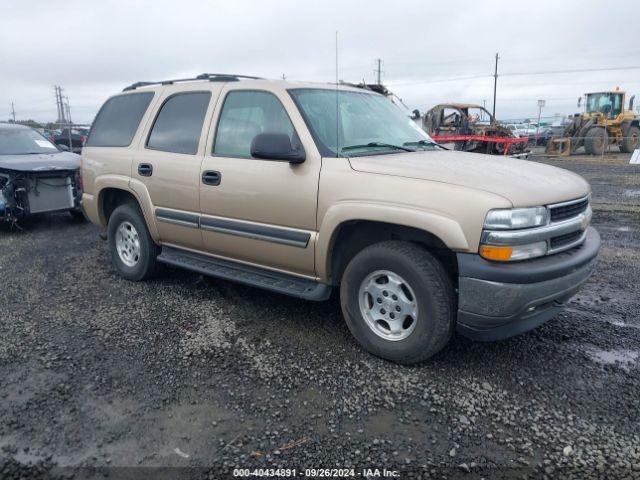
(472, 128)
(35, 176)
(78, 136)
(303, 188)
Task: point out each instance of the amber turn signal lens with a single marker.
(492, 252)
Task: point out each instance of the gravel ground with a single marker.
(99, 375)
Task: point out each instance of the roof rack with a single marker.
(212, 77)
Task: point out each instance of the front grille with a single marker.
(563, 212)
(566, 239)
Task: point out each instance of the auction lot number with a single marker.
(313, 472)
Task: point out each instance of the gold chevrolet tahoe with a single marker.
(300, 188)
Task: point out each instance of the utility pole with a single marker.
(55, 89)
(495, 85)
(67, 110)
(13, 113)
(378, 70)
(60, 104)
(541, 104)
(64, 113)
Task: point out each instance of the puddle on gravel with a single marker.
(623, 357)
(620, 323)
(632, 193)
(623, 229)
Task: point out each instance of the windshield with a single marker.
(607, 103)
(367, 123)
(23, 141)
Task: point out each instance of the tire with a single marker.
(425, 279)
(631, 140)
(134, 252)
(596, 141)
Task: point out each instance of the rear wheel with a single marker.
(398, 301)
(631, 140)
(133, 251)
(596, 141)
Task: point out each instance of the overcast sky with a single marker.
(432, 52)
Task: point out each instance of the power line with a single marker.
(520, 58)
(576, 70)
(513, 74)
(440, 80)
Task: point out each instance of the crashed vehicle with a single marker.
(471, 128)
(35, 176)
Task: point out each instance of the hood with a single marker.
(40, 162)
(522, 182)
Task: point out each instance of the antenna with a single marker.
(337, 104)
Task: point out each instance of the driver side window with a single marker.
(245, 114)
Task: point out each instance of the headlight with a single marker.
(516, 218)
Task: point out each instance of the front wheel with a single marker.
(596, 141)
(631, 140)
(398, 301)
(133, 251)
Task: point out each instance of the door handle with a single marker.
(211, 177)
(145, 169)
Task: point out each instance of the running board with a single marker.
(249, 275)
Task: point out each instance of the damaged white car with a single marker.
(35, 176)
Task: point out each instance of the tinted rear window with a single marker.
(118, 119)
(179, 124)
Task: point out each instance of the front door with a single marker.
(259, 211)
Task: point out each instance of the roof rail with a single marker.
(212, 77)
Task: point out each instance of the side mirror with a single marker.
(63, 147)
(276, 146)
(633, 97)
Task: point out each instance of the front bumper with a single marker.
(499, 300)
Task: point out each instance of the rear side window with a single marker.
(245, 114)
(118, 120)
(178, 125)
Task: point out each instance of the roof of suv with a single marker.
(227, 78)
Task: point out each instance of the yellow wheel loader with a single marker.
(605, 122)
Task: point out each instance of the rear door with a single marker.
(259, 211)
(168, 161)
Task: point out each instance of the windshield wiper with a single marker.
(425, 143)
(377, 144)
